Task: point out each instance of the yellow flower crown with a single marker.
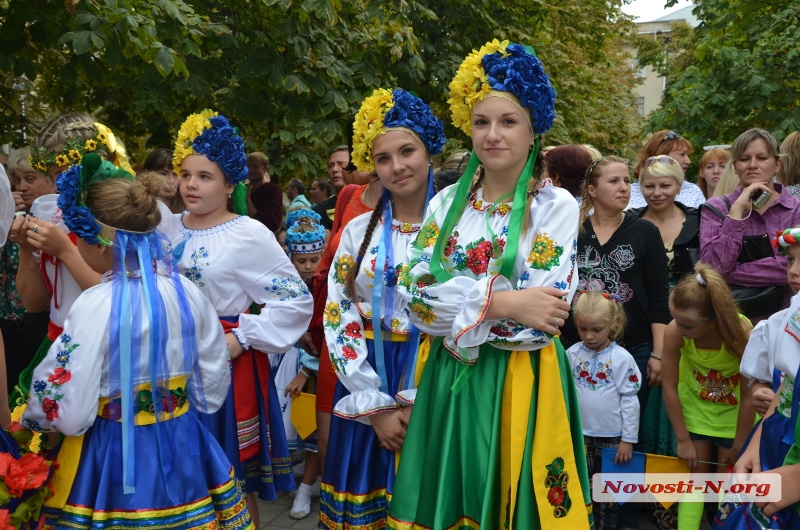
(368, 125)
(193, 127)
(104, 142)
(471, 85)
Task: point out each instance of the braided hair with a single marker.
(350, 280)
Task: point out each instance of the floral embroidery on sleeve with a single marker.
(544, 253)
(348, 339)
(427, 236)
(49, 392)
(287, 288)
(423, 310)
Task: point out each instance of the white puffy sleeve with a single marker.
(269, 278)
(65, 388)
(627, 379)
(213, 351)
(344, 333)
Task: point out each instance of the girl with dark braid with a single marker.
(373, 346)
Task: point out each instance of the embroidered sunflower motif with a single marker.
(423, 311)
(342, 267)
(333, 316)
(544, 253)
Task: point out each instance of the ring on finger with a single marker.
(13, 235)
(35, 228)
(562, 314)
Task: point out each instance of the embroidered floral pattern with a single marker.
(342, 267)
(480, 205)
(785, 397)
(601, 273)
(346, 344)
(478, 256)
(593, 374)
(423, 310)
(544, 253)
(427, 236)
(171, 400)
(287, 288)
(199, 264)
(622, 257)
(556, 484)
(333, 315)
(49, 392)
(715, 387)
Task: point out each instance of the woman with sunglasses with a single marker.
(736, 228)
(621, 254)
(669, 143)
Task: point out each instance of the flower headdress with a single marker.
(304, 233)
(786, 238)
(508, 70)
(72, 185)
(209, 134)
(385, 110)
(103, 143)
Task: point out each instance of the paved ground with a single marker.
(275, 515)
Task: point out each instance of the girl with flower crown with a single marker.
(261, 301)
(52, 271)
(373, 345)
(139, 356)
(495, 439)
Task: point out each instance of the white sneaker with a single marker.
(301, 507)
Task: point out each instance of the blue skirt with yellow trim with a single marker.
(358, 479)
(200, 490)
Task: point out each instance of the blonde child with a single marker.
(705, 401)
(607, 380)
(305, 240)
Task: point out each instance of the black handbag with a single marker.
(754, 301)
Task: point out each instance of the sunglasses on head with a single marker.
(663, 159)
(672, 135)
(710, 147)
(591, 168)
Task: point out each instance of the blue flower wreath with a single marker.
(411, 112)
(521, 73)
(304, 234)
(221, 144)
(72, 183)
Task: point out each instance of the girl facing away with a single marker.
(707, 403)
(139, 356)
(495, 439)
(258, 296)
(607, 380)
(373, 344)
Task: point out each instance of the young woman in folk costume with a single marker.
(52, 272)
(496, 439)
(140, 355)
(237, 263)
(373, 346)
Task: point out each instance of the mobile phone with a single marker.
(759, 198)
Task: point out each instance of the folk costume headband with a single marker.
(103, 142)
(304, 233)
(384, 111)
(513, 72)
(209, 134)
(786, 238)
(72, 185)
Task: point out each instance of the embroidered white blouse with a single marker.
(237, 263)
(607, 384)
(346, 319)
(455, 309)
(74, 375)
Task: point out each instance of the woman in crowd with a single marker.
(670, 143)
(620, 253)
(320, 190)
(789, 172)
(495, 439)
(735, 228)
(261, 301)
(566, 167)
(22, 331)
(712, 165)
(374, 346)
(137, 359)
(160, 161)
